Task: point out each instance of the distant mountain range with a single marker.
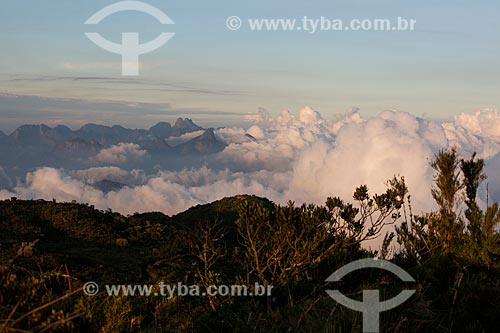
(91, 138)
(30, 147)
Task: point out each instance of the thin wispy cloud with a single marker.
(117, 81)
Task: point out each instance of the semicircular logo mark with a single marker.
(371, 306)
(130, 48)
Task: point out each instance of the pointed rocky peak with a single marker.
(185, 125)
(208, 135)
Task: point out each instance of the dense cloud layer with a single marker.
(484, 123)
(120, 154)
(301, 157)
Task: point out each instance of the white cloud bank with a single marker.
(304, 158)
(120, 154)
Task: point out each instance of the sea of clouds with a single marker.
(301, 157)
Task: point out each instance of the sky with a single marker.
(50, 72)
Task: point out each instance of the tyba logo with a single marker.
(130, 49)
(371, 306)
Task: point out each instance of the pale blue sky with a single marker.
(448, 65)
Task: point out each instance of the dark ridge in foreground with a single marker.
(87, 239)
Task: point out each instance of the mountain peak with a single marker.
(161, 130)
(183, 126)
(207, 143)
(92, 126)
(32, 128)
(162, 124)
(187, 124)
(32, 134)
(62, 128)
(208, 135)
